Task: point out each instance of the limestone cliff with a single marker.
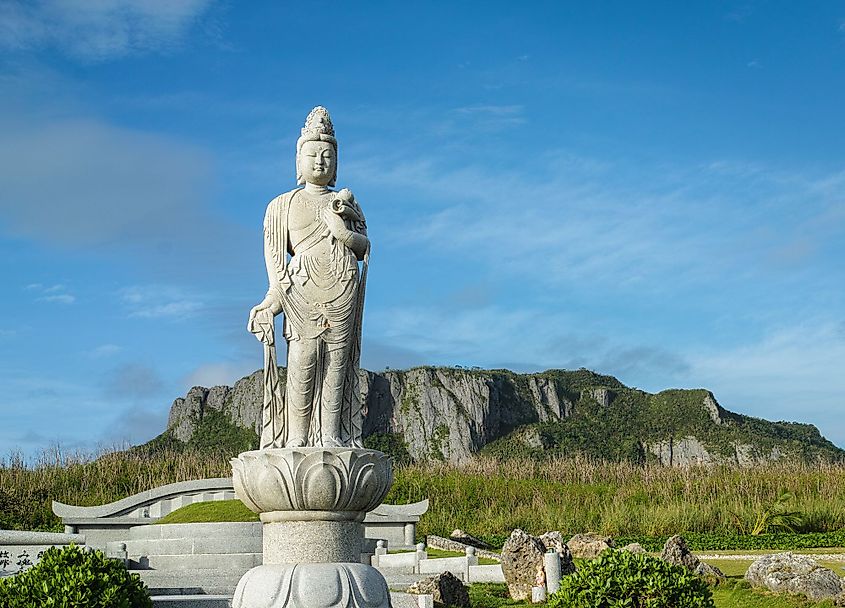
(453, 413)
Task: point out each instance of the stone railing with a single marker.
(107, 523)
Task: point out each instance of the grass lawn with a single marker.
(438, 553)
(210, 512)
(734, 594)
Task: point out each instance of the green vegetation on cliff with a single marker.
(448, 414)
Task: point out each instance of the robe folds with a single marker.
(322, 298)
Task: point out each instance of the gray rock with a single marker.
(186, 412)
(796, 574)
(553, 541)
(446, 588)
(636, 548)
(460, 536)
(589, 545)
(675, 551)
(522, 564)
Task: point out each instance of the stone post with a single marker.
(551, 562)
(410, 533)
(472, 560)
(312, 502)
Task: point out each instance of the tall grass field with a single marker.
(485, 497)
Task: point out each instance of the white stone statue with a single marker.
(320, 289)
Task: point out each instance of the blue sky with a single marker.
(652, 190)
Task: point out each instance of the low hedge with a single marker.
(710, 541)
(74, 578)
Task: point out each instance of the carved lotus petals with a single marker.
(312, 586)
(312, 479)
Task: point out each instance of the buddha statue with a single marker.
(316, 251)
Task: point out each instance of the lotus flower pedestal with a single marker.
(312, 502)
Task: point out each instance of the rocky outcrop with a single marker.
(796, 574)
(450, 414)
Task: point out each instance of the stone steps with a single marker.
(190, 582)
(194, 545)
(235, 562)
(207, 530)
(192, 601)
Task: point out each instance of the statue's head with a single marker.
(316, 150)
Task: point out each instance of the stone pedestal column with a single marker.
(312, 502)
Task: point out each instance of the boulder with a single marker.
(796, 574)
(553, 541)
(675, 551)
(460, 536)
(636, 548)
(446, 588)
(589, 545)
(522, 562)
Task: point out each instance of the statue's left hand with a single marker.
(335, 223)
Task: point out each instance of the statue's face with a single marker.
(317, 162)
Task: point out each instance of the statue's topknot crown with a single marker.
(318, 126)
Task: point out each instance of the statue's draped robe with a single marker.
(322, 298)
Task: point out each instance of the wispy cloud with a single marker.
(159, 302)
(617, 225)
(62, 298)
(104, 351)
(52, 294)
(98, 30)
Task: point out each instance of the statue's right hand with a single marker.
(255, 325)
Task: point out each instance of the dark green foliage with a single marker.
(698, 541)
(620, 579)
(19, 515)
(621, 431)
(710, 541)
(73, 578)
(391, 444)
(215, 432)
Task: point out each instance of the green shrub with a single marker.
(618, 579)
(710, 541)
(74, 578)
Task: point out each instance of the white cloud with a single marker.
(62, 298)
(159, 302)
(54, 294)
(98, 29)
